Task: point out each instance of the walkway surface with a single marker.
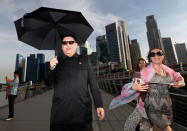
(33, 115)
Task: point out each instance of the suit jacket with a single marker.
(71, 101)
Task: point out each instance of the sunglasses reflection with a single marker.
(153, 54)
(68, 42)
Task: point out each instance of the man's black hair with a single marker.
(70, 35)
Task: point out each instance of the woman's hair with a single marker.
(149, 58)
(137, 68)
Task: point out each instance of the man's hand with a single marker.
(100, 113)
(53, 63)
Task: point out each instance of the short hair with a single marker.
(69, 35)
(149, 58)
(16, 72)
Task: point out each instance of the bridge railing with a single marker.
(26, 91)
(179, 108)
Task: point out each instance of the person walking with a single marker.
(71, 104)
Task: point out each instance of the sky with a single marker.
(170, 15)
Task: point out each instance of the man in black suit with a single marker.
(71, 106)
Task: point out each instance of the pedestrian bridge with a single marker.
(33, 114)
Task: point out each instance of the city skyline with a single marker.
(170, 15)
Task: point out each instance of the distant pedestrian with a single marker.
(12, 93)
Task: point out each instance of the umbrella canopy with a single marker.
(45, 27)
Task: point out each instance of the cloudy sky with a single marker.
(171, 18)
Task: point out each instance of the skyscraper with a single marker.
(85, 49)
(40, 66)
(135, 52)
(118, 45)
(181, 52)
(20, 66)
(102, 48)
(169, 51)
(153, 33)
(31, 73)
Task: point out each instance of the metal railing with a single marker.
(26, 91)
(179, 108)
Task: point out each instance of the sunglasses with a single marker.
(152, 54)
(66, 42)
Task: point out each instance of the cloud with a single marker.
(177, 31)
(7, 5)
(88, 8)
(7, 38)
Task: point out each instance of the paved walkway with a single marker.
(34, 114)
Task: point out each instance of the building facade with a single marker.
(40, 66)
(135, 52)
(20, 67)
(118, 44)
(31, 72)
(181, 52)
(170, 57)
(102, 49)
(153, 33)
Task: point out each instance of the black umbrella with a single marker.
(44, 27)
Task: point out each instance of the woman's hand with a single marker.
(142, 87)
(53, 63)
(179, 83)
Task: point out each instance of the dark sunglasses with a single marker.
(152, 54)
(66, 42)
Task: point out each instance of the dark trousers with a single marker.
(11, 100)
(85, 127)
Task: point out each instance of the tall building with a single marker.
(102, 48)
(20, 67)
(31, 73)
(153, 33)
(169, 51)
(23, 69)
(40, 66)
(118, 45)
(93, 58)
(85, 49)
(135, 52)
(181, 52)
